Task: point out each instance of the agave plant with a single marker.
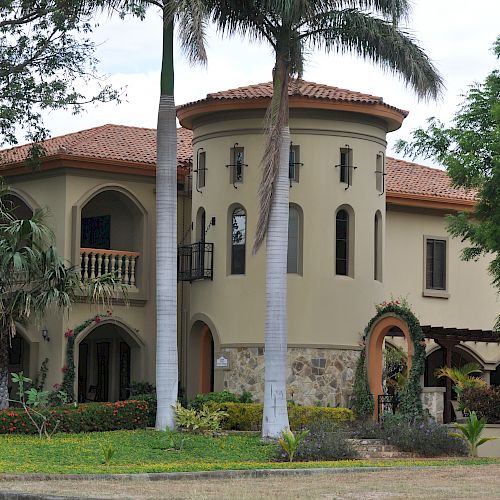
(471, 432)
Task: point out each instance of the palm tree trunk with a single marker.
(166, 243)
(275, 417)
(4, 371)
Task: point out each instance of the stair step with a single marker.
(376, 449)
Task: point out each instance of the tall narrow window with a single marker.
(379, 173)
(201, 169)
(342, 243)
(377, 247)
(294, 164)
(294, 241)
(237, 164)
(435, 264)
(238, 240)
(346, 165)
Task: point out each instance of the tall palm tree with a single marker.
(368, 28)
(34, 278)
(190, 17)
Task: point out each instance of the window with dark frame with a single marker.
(201, 169)
(435, 264)
(346, 165)
(294, 163)
(237, 163)
(238, 240)
(379, 173)
(342, 243)
(293, 252)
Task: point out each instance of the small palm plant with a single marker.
(471, 432)
(290, 441)
(462, 378)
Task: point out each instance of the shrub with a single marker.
(150, 399)
(87, 417)
(219, 397)
(485, 401)
(362, 399)
(248, 416)
(424, 437)
(140, 388)
(207, 420)
(325, 441)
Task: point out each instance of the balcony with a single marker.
(195, 262)
(95, 262)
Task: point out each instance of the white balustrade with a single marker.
(97, 262)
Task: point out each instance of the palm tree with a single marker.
(34, 278)
(368, 28)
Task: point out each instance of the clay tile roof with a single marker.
(108, 142)
(299, 88)
(404, 177)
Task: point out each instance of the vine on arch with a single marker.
(410, 405)
(68, 382)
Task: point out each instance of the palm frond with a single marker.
(379, 41)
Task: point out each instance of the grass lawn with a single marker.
(144, 451)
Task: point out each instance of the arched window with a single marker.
(377, 247)
(344, 241)
(238, 240)
(294, 256)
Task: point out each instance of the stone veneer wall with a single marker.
(315, 375)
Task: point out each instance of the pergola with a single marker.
(448, 338)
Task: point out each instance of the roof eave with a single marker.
(392, 116)
(432, 202)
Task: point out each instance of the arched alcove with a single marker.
(108, 357)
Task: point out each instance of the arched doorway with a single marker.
(108, 361)
(387, 325)
(200, 366)
(436, 359)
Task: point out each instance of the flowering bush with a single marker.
(88, 417)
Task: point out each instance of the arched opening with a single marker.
(388, 325)
(295, 239)
(344, 241)
(436, 359)
(19, 361)
(111, 236)
(377, 246)
(237, 239)
(20, 209)
(108, 361)
(201, 354)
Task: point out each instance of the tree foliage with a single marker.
(44, 54)
(470, 150)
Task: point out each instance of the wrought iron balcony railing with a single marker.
(195, 261)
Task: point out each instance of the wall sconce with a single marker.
(45, 335)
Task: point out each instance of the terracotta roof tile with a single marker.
(404, 177)
(108, 142)
(299, 88)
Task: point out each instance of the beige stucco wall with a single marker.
(323, 309)
(472, 301)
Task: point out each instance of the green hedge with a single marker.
(87, 417)
(248, 416)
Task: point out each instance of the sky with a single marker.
(456, 34)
